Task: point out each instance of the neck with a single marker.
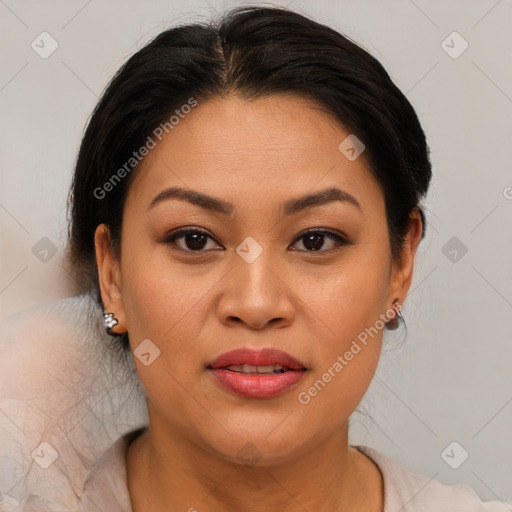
(166, 471)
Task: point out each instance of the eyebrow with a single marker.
(291, 206)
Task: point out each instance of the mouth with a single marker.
(250, 369)
(265, 360)
(263, 373)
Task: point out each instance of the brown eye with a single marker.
(315, 240)
(194, 240)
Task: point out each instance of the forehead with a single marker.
(235, 147)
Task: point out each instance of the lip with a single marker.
(261, 357)
(257, 385)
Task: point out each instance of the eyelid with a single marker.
(340, 238)
(326, 231)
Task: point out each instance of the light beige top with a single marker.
(404, 491)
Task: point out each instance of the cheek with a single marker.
(165, 304)
(349, 299)
(160, 296)
(347, 307)
(345, 361)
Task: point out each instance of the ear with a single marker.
(109, 275)
(402, 271)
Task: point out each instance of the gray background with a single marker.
(450, 378)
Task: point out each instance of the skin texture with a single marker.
(195, 306)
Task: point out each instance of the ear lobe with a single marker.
(109, 276)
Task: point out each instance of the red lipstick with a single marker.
(262, 373)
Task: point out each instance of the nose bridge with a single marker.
(253, 270)
(254, 292)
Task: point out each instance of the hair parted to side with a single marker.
(251, 52)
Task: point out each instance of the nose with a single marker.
(256, 294)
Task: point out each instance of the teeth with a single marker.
(249, 368)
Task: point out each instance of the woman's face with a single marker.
(254, 278)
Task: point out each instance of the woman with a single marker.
(246, 205)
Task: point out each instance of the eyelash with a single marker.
(340, 240)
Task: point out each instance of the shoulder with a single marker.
(106, 484)
(424, 494)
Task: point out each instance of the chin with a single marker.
(257, 449)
